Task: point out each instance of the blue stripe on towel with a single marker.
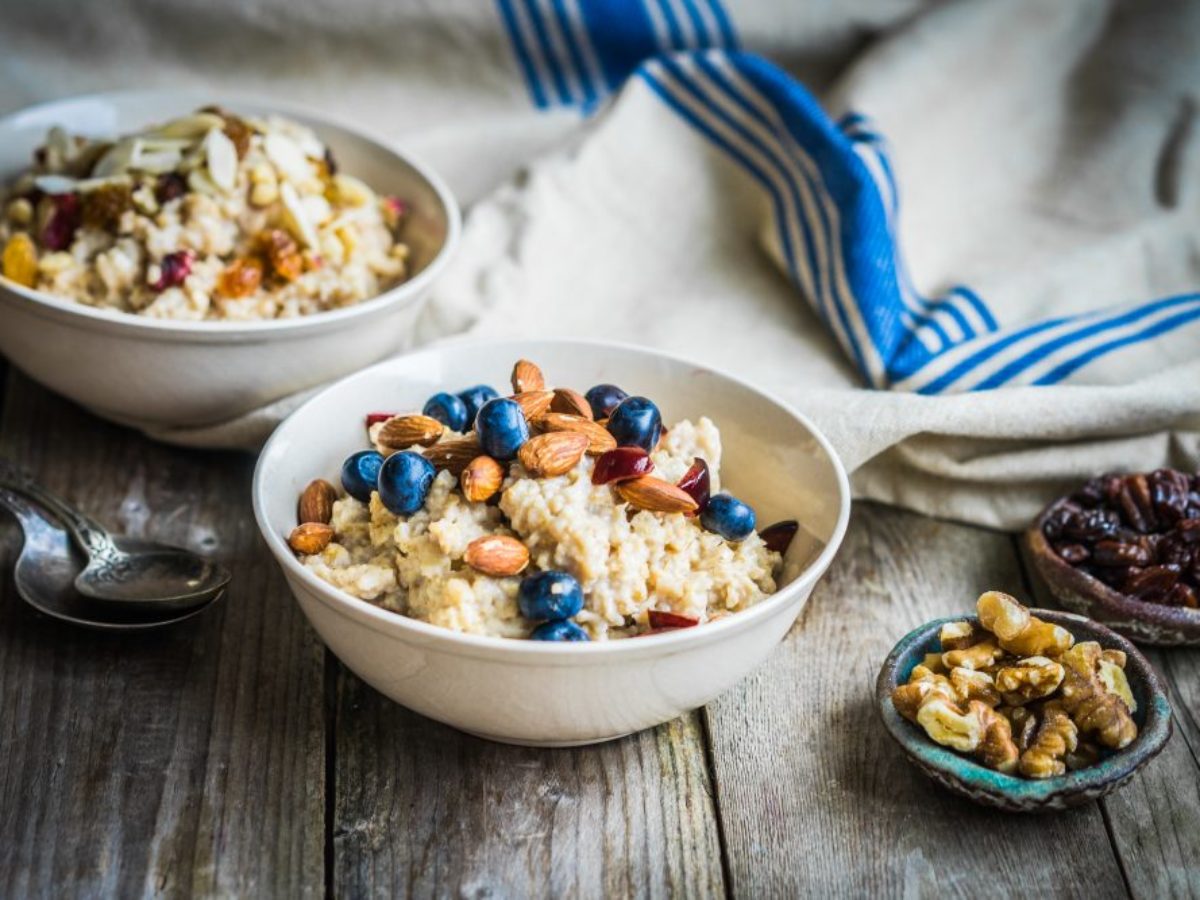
(548, 52)
(514, 34)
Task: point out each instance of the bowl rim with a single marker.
(1033, 793)
(383, 620)
(51, 305)
(1094, 590)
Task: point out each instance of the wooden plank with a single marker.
(188, 761)
(424, 811)
(1155, 820)
(814, 797)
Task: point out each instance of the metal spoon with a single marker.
(122, 569)
(45, 576)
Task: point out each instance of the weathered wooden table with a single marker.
(234, 756)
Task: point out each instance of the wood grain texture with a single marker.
(184, 762)
(424, 811)
(813, 796)
(1155, 820)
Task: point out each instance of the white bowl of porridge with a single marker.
(673, 613)
(176, 259)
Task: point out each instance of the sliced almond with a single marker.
(310, 537)
(553, 453)
(497, 555)
(455, 455)
(533, 403)
(599, 440)
(526, 376)
(655, 495)
(402, 432)
(481, 479)
(316, 502)
(570, 402)
(222, 159)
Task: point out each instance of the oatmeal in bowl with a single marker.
(548, 514)
(448, 565)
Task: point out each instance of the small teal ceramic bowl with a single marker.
(963, 775)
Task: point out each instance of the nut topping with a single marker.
(553, 453)
(497, 555)
(526, 376)
(655, 495)
(534, 403)
(481, 479)
(316, 502)
(310, 537)
(402, 432)
(599, 440)
(453, 455)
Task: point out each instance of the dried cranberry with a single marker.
(1092, 525)
(1116, 553)
(696, 483)
(778, 537)
(621, 464)
(1153, 582)
(175, 268)
(60, 228)
(1056, 521)
(169, 186)
(376, 418)
(1169, 493)
(667, 620)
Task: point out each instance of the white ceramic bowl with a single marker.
(530, 692)
(148, 371)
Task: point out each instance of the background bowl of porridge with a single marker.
(174, 367)
(557, 694)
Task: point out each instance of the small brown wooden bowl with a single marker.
(1146, 623)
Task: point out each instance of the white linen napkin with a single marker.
(974, 261)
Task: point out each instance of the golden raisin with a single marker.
(239, 132)
(241, 277)
(102, 208)
(283, 253)
(20, 260)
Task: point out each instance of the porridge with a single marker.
(210, 216)
(556, 516)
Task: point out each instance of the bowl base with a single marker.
(521, 742)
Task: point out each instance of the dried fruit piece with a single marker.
(661, 619)
(241, 278)
(310, 537)
(621, 464)
(169, 186)
(453, 455)
(655, 495)
(497, 555)
(103, 207)
(239, 133)
(316, 502)
(533, 403)
(570, 402)
(551, 454)
(174, 268)
(63, 222)
(283, 253)
(526, 376)
(481, 479)
(778, 537)
(377, 417)
(696, 483)
(20, 262)
(599, 440)
(402, 432)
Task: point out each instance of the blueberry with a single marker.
(474, 398)
(636, 423)
(550, 595)
(603, 397)
(451, 411)
(404, 482)
(501, 428)
(728, 516)
(360, 472)
(564, 630)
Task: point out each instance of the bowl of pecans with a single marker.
(1124, 549)
(609, 539)
(176, 259)
(1025, 710)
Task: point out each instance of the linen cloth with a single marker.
(961, 236)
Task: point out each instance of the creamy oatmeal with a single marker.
(210, 216)
(639, 548)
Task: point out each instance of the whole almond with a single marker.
(481, 479)
(570, 402)
(316, 502)
(526, 376)
(497, 554)
(453, 455)
(534, 403)
(310, 537)
(553, 453)
(402, 432)
(655, 495)
(599, 440)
